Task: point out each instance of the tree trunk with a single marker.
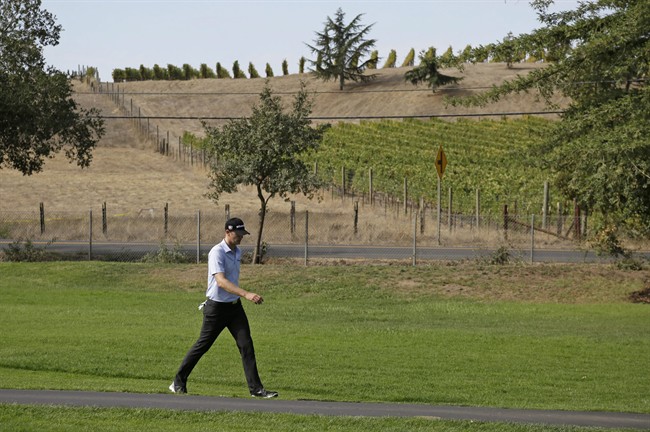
(341, 82)
(257, 253)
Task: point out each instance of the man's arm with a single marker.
(234, 289)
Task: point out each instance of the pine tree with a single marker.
(339, 49)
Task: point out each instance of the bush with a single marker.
(167, 256)
(606, 242)
(26, 252)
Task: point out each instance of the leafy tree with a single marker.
(301, 65)
(269, 71)
(391, 60)
(175, 73)
(119, 75)
(285, 67)
(132, 74)
(159, 73)
(206, 72)
(340, 48)
(189, 72)
(449, 60)
(266, 150)
(599, 152)
(252, 72)
(38, 116)
(427, 71)
(222, 72)
(236, 71)
(146, 74)
(409, 60)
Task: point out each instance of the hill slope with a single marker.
(129, 175)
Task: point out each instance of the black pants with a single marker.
(216, 317)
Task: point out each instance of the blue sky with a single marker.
(111, 34)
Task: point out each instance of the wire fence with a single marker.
(355, 232)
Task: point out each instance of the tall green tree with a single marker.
(427, 72)
(600, 151)
(340, 47)
(266, 150)
(38, 116)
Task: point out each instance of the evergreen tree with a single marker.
(237, 73)
(206, 72)
(391, 60)
(427, 71)
(409, 60)
(252, 72)
(339, 49)
(269, 71)
(285, 67)
(301, 65)
(374, 60)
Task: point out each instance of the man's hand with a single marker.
(255, 298)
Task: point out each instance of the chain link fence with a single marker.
(355, 232)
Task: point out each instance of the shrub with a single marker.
(606, 242)
(26, 252)
(392, 59)
(285, 67)
(167, 256)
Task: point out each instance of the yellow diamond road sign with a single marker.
(441, 162)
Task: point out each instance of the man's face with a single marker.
(233, 238)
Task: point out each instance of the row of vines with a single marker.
(495, 157)
(499, 158)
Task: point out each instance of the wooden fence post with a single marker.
(166, 217)
(505, 222)
(42, 213)
(356, 216)
(104, 224)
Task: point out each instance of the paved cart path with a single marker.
(211, 403)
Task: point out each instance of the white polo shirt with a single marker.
(222, 259)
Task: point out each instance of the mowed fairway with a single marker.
(543, 337)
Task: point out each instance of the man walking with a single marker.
(223, 309)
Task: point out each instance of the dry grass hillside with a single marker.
(129, 175)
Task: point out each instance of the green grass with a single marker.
(544, 336)
(64, 419)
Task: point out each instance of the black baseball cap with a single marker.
(237, 225)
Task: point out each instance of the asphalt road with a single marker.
(305, 407)
(134, 251)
